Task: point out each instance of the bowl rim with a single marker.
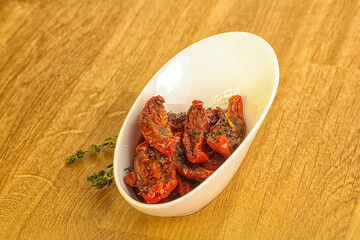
(253, 130)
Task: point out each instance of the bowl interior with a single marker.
(210, 70)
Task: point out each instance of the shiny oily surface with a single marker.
(70, 71)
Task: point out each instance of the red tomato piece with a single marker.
(196, 128)
(172, 196)
(176, 122)
(213, 115)
(227, 134)
(220, 145)
(130, 179)
(155, 173)
(154, 126)
(214, 162)
(144, 146)
(183, 186)
(187, 169)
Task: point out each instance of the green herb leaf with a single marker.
(77, 155)
(102, 178)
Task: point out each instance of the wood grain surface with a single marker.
(70, 71)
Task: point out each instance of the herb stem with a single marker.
(109, 142)
(102, 178)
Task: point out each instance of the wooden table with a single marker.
(70, 71)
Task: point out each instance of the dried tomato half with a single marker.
(172, 196)
(130, 179)
(227, 134)
(214, 162)
(213, 115)
(187, 169)
(155, 173)
(196, 128)
(154, 126)
(176, 122)
(183, 186)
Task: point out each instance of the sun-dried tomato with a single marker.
(214, 162)
(213, 115)
(130, 179)
(176, 122)
(196, 128)
(155, 173)
(183, 186)
(187, 169)
(227, 134)
(154, 126)
(172, 196)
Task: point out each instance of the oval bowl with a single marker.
(211, 70)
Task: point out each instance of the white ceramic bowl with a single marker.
(210, 70)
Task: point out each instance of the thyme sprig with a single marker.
(109, 142)
(102, 178)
